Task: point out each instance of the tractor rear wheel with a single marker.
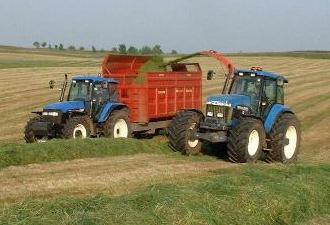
(246, 140)
(29, 136)
(77, 128)
(181, 132)
(118, 125)
(284, 139)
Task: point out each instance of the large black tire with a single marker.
(29, 136)
(77, 127)
(246, 140)
(181, 132)
(118, 125)
(285, 129)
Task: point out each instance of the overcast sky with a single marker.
(184, 25)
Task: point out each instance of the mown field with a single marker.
(143, 181)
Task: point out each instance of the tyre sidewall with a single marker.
(115, 116)
(238, 140)
(71, 126)
(282, 125)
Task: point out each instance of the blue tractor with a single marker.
(91, 109)
(249, 118)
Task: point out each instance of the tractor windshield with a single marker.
(80, 91)
(249, 86)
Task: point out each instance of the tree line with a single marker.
(121, 49)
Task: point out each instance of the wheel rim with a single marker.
(120, 129)
(192, 142)
(41, 140)
(80, 132)
(291, 135)
(253, 143)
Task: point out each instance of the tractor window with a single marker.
(270, 89)
(280, 94)
(79, 91)
(249, 86)
(100, 93)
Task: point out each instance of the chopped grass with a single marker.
(256, 194)
(59, 150)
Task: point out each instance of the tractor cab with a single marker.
(263, 89)
(250, 93)
(86, 95)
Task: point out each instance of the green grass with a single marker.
(12, 154)
(255, 194)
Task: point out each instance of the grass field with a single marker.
(143, 181)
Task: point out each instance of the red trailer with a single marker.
(153, 98)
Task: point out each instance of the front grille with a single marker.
(226, 111)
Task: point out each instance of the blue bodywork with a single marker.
(230, 100)
(106, 111)
(65, 106)
(68, 106)
(263, 74)
(274, 113)
(95, 79)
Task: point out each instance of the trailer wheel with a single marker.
(284, 139)
(246, 140)
(181, 133)
(77, 128)
(118, 125)
(29, 136)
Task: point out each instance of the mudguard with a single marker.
(274, 113)
(107, 109)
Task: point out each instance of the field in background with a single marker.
(154, 184)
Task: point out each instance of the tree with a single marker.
(36, 44)
(56, 47)
(49, 46)
(72, 48)
(132, 50)
(81, 48)
(114, 50)
(157, 50)
(122, 49)
(174, 52)
(93, 48)
(44, 44)
(102, 50)
(145, 50)
(61, 47)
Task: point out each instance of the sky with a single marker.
(185, 25)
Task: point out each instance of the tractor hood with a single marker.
(229, 100)
(65, 106)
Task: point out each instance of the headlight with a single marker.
(209, 113)
(50, 113)
(220, 115)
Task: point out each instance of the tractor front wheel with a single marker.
(181, 132)
(118, 125)
(246, 140)
(284, 139)
(29, 135)
(77, 128)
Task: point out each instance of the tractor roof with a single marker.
(95, 79)
(263, 74)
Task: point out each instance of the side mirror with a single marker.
(51, 84)
(210, 75)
